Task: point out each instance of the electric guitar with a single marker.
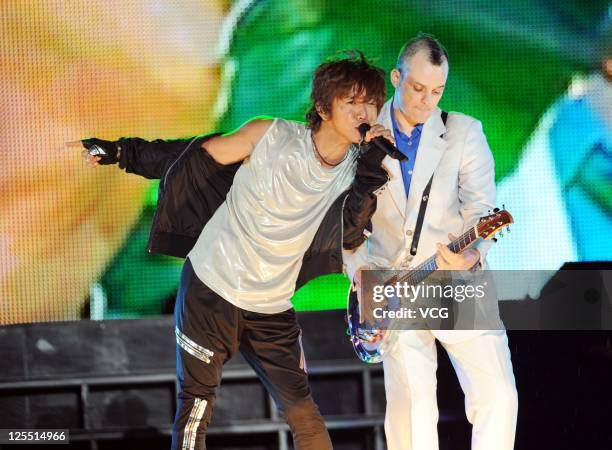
(368, 342)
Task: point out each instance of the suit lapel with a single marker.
(396, 183)
(430, 151)
(392, 166)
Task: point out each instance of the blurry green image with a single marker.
(509, 61)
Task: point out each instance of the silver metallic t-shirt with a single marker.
(250, 252)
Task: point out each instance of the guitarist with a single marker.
(456, 153)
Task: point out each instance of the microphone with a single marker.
(382, 144)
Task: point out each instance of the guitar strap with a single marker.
(424, 199)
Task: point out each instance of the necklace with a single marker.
(320, 156)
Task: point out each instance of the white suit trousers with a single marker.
(484, 370)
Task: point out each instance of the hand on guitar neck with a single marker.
(446, 259)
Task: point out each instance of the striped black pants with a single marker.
(209, 330)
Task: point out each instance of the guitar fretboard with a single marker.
(427, 267)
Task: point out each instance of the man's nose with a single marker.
(362, 112)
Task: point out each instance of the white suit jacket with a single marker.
(462, 191)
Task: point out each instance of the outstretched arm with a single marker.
(150, 158)
(135, 155)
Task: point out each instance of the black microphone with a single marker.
(382, 144)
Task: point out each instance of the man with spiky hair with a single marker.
(449, 176)
(243, 268)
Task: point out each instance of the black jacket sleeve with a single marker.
(151, 158)
(360, 204)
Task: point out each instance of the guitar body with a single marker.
(370, 343)
(367, 343)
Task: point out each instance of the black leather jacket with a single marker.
(193, 185)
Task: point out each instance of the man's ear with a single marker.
(321, 111)
(396, 77)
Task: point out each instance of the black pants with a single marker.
(209, 330)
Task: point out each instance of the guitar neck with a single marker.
(427, 267)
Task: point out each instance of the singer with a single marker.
(240, 275)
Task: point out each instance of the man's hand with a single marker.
(365, 311)
(378, 130)
(447, 260)
(372, 158)
(96, 151)
(365, 314)
(370, 175)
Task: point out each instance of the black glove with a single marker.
(361, 202)
(370, 175)
(107, 151)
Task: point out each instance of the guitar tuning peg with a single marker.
(494, 239)
(496, 210)
(488, 211)
(503, 206)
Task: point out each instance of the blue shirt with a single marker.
(408, 145)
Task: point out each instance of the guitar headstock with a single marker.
(488, 226)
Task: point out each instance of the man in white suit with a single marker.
(463, 190)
